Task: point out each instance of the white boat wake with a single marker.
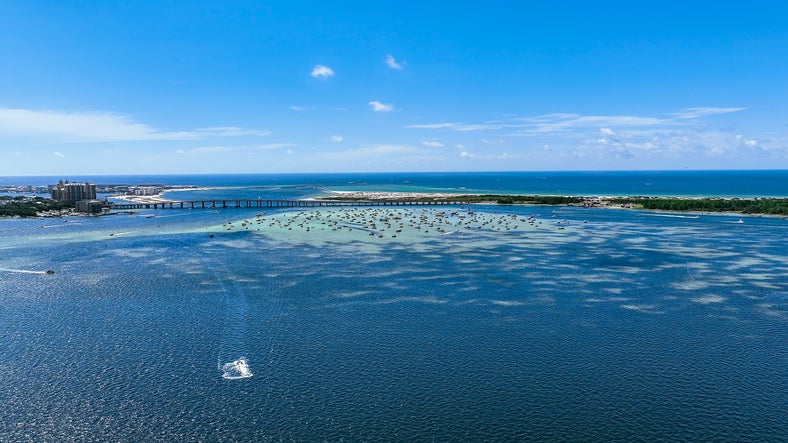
(25, 271)
(236, 370)
(673, 216)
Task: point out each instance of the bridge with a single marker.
(260, 203)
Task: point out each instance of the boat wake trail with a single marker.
(236, 369)
(230, 286)
(23, 271)
(235, 330)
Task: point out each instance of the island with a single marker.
(766, 206)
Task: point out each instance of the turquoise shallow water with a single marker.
(589, 325)
(654, 183)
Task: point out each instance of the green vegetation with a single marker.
(525, 199)
(772, 206)
(775, 206)
(511, 199)
(30, 206)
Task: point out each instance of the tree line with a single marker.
(774, 206)
(30, 206)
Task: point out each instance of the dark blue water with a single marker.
(652, 183)
(591, 325)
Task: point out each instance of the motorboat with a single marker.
(243, 367)
(236, 369)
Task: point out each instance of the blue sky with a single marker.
(135, 87)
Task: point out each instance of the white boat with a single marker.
(243, 367)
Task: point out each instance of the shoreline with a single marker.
(379, 195)
(692, 205)
(144, 199)
(762, 206)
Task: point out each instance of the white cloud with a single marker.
(432, 144)
(207, 150)
(747, 142)
(229, 131)
(320, 71)
(673, 139)
(59, 126)
(507, 156)
(683, 145)
(72, 126)
(59, 154)
(703, 112)
(270, 146)
(336, 138)
(570, 122)
(554, 124)
(377, 158)
(381, 107)
(373, 152)
(606, 147)
(461, 127)
(564, 124)
(392, 63)
(434, 126)
(479, 127)
(203, 150)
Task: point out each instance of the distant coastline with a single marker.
(728, 183)
(748, 192)
(772, 206)
(755, 206)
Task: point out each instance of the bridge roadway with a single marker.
(260, 203)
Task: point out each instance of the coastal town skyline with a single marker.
(169, 88)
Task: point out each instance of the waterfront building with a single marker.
(147, 190)
(71, 192)
(90, 206)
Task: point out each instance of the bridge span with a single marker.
(260, 203)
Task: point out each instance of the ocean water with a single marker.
(481, 323)
(770, 183)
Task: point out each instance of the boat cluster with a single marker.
(388, 222)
